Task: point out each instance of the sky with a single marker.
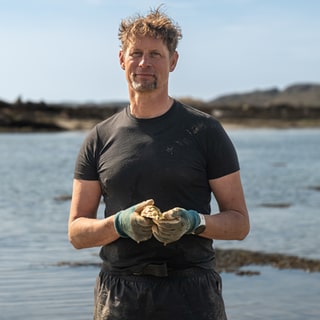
(67, 50)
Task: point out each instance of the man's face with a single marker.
(147, 63)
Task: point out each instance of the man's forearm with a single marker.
(87, 233)
(227, 225)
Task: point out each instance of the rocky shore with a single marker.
(295, 106)
(232, 260)
(239, 261)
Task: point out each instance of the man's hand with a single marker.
(129, 223)
(174, 224)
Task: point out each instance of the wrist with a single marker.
(194, 220)
(118, 225)
(200, 226)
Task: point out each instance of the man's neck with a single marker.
(149, 105)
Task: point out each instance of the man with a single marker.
(162, 152)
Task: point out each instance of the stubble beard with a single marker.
(143, 86)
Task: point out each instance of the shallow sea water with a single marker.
(278, 166)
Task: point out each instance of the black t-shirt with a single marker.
(169, 159)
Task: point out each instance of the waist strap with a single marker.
(152, 269)
(157, 270)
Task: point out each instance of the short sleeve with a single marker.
(86, 163)
(222, 156)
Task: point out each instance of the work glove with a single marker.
(130, 224)
(174, 224)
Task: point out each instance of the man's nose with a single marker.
(145, 61)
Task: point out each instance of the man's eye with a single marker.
(155, 54)
(136, 54)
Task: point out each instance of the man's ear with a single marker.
(121, 59)
(174, 60)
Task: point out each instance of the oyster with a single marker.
(152, 212)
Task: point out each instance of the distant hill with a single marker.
(298, 95)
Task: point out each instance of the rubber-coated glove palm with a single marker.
(174, 224)
(129, 223)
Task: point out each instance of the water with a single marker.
(281, 167)
(278, 167)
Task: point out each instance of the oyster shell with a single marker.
(152, 212)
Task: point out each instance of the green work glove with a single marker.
(174, 224)
(129, 223)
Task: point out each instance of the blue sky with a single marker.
(67, 50)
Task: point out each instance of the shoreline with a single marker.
(234, 260)
(228, 124)
(258, 123)
(42, 117)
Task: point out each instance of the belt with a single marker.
(153, 269)
(157, 270)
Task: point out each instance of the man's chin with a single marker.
(144, 87)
